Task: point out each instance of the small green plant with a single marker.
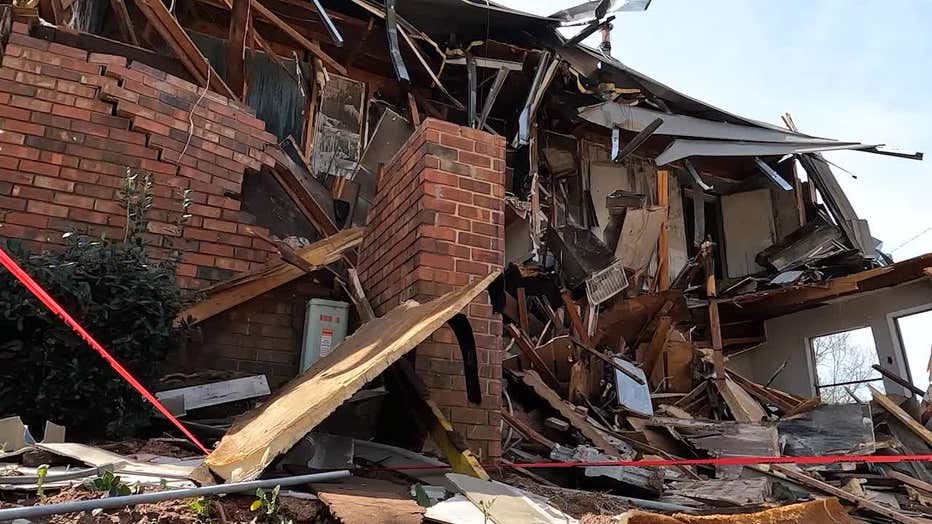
(266, 504)
(112, 484)
(201, 509)
(41, 472)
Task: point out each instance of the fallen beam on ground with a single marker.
(272, 429)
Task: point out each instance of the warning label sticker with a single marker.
(326, 341)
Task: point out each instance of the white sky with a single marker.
(845, 69)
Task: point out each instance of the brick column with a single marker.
(437, 223)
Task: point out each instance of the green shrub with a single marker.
(121, 297)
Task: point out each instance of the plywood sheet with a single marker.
(639, 236)
(273, 428)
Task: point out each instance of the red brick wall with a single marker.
(437, 223)
(261, 336)
(74, 122)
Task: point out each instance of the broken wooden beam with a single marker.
(181, 44)
(286, 28)
(236, 49)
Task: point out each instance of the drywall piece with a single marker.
(391, 133)
(747, 219)
(98, 458)
(362, 501)
(504, 504)
(272, 429)
(12, 434)
(338, 127)
(677, 251)
(639, 237)
(455, 510)
(250, 285)
(604, 178)
(829, 429)
(631, 395)
(53, 433)
(219, 392)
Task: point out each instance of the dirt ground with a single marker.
(227, 509)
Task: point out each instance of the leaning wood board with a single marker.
(890, 407)
(533, 380)
(273, 428)
(251, 285)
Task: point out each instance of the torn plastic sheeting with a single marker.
(258, 437)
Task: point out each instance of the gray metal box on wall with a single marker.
(324, 328)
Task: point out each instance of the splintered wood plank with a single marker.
(533, 380)
(740, 403)
(259, 436)
(738, 492)
(184, 48)
(890, 407)
(251, 285)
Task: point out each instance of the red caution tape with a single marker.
(54, 307)
(720, 461)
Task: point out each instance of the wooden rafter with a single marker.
(168, 28)
(236, 52)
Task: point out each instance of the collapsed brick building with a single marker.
(517, 157)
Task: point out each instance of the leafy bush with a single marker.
(122, 298)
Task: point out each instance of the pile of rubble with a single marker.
(648, 432)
